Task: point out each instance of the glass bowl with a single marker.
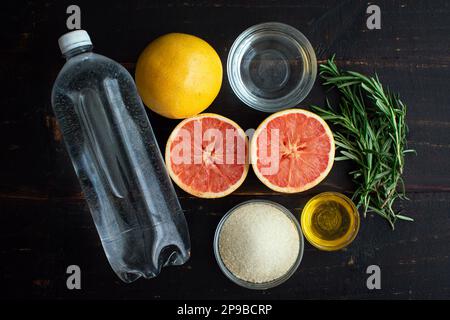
(331, 245)
(263, 285)
(271, 66)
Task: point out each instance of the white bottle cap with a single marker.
(73, 39)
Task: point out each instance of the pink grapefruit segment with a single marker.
(207, 155)
(292, 151)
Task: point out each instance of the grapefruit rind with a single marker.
(254, 149)
(189, 189)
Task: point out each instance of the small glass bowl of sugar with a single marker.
(258, 244)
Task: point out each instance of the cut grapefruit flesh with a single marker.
(207, 155)
(292, 150)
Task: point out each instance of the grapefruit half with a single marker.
(207, 155)
(292, 150)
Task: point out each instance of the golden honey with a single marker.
(330, 221)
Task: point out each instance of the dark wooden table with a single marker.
(46, 225)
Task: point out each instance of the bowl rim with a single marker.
(262, 285)
(293, 98)
(355, 231)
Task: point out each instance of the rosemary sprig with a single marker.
(371, 131)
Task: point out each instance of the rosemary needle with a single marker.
(371, 131)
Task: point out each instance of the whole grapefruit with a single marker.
(178, 75)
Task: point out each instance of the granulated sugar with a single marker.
(258, 242)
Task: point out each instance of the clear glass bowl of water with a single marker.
(271, 66)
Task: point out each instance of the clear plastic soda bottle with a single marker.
(118, 162)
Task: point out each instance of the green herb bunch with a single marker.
(371, 131)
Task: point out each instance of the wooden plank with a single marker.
(48, 226)
(421, 82)
(44, 237)
(428, 119)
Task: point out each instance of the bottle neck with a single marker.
(78, 50)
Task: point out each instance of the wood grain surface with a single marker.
(45, 222)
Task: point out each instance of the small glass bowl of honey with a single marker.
(330, 221)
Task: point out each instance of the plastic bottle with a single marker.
(118, 162)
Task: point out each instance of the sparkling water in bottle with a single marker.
(118, 162)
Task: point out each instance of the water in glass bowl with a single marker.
(272, 67)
